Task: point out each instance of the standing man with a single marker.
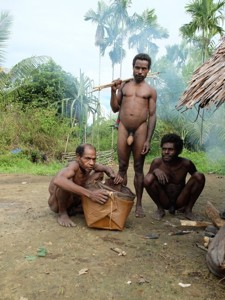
(136, 103)
(67, 187)
(166, 180)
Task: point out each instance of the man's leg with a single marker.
(190, 194)
(158, 195)
(65, 201)
(60, 201)
(139, 186)
(139, 140)
(123, 152)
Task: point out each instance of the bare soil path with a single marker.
(151, 269)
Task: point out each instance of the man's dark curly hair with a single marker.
(175, 139)
(80, 149)
(143, 56)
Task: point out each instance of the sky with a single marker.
(57, 29)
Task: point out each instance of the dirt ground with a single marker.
(78, 263)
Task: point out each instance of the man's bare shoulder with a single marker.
(72, 167)
(187, 162)
(156, 162)
(152, 91)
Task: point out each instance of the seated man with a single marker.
(166, 180)
(67, 187)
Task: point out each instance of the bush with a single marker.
(33, 130)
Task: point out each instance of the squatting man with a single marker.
(166, 180)
(67, 187)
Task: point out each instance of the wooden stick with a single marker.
(194, 223)
(100, 87)
(214, 215)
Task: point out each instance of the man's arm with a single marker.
(191, 168)
(116, 95)
(63, 180)
(107, 170)
(151, 121)
(152, 116)
(157, 172)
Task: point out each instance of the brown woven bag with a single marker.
(113, 214)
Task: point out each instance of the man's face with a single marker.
(88, 159)
(169, 153)
(140, 70)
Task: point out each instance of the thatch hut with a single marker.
(207, 86)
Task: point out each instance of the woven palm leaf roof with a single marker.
(207, 85)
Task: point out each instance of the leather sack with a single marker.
(113, 214)
(215, 257)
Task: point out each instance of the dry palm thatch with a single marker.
(207, 86)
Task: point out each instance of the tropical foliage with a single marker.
(116, 29)
(5, 23)
(207, 16)
(44, 109)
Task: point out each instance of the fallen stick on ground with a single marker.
(119, 251)
(195, 223)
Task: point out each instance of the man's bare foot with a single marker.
(139, 213)
(65, 221)
(159, 214)
(189, 215)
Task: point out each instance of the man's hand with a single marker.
(118, 179)
(116, 84)
(146, 148)
(161, 176)
(99, 196)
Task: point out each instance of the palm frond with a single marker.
(5, 23)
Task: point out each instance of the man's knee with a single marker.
(199, 178)
(138, 167)
(149, 180)
(123, 166)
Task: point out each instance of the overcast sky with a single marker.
(57, 28)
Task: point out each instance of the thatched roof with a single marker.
(207, 86)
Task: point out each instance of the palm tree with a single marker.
(177, 54)
(114, 40)
(99, 17)
(119, 23)
(145, 30)
(80, 105)
(205, 25)
(5, 23)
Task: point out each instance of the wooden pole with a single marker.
(100, 87)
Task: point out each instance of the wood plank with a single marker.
(214, 215)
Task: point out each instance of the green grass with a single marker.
(206, 163)
(20, 164)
